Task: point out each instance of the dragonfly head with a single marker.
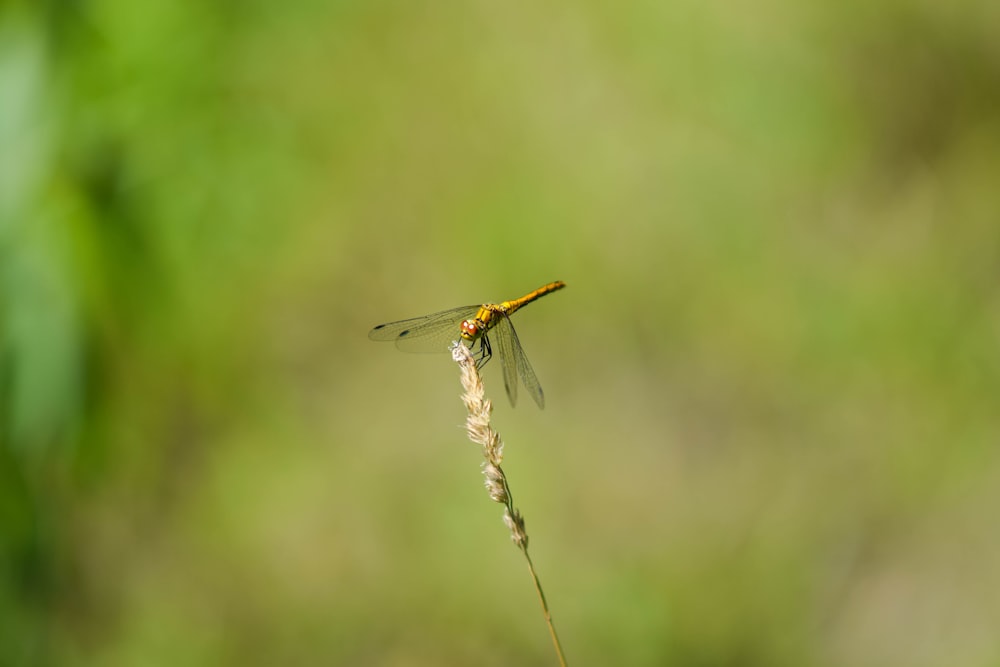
(471, 329)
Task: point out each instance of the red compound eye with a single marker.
(469, 329)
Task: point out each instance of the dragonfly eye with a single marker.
(469, 329)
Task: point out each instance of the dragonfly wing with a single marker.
(508, 347)
(526, 372)
(428, 333)
(515, 363)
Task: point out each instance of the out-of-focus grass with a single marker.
(770, 426)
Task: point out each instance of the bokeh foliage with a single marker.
(771, 432)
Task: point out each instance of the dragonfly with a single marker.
(474, 324)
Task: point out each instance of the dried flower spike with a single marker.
(481, 432)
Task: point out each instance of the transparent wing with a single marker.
(503, 334)
(515, 363)
(428, 333)
(527, 374)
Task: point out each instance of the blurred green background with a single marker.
(771, 427)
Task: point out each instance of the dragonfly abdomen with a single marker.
(509, 307)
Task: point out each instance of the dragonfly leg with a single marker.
(485, 352)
